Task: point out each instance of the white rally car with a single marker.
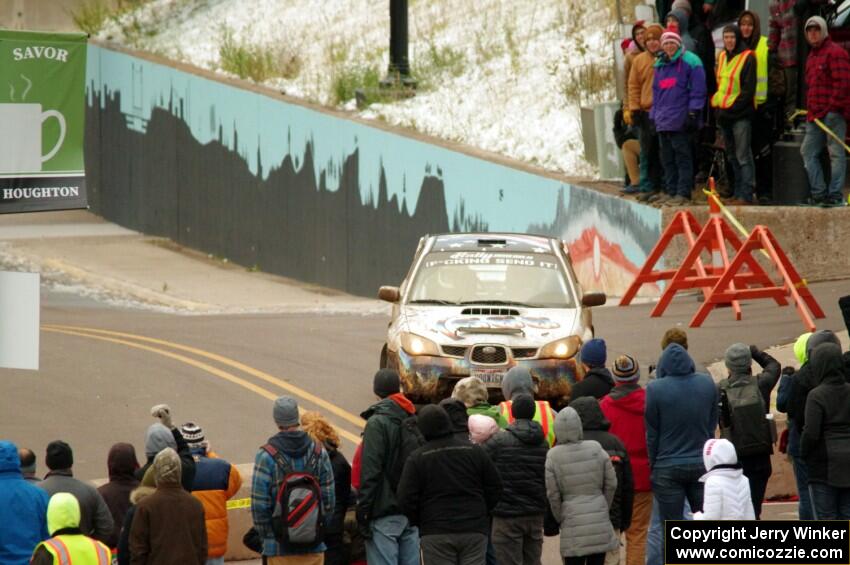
(479, 304)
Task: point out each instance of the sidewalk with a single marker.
(77, 249)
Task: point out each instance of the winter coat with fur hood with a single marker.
(580, 485)
(727, 490)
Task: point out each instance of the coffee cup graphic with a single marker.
(20, 141)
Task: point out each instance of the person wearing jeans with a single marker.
(828, 100)
(681, 415)
(813, 144)
(678, 99)
(734, 103)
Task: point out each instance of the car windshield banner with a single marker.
(42, 121)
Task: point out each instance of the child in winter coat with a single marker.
(727, 490)
(481, 428)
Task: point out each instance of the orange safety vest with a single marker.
(729, 79)
(542, 415)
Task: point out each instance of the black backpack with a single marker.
(410, 439)
(746, 424)
(297, 519)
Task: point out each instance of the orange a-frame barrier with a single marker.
(732, 284)
(683, 223)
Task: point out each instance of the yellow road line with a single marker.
(332, 408)
(195, 363)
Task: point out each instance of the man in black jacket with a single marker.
(595, 426)
(756, 463)
(519, 453)
(597, 381)
(448, 489)
(390, 538)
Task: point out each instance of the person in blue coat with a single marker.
(681, 415)
(23, 510)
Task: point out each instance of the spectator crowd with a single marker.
(462, 481)
(708, 80)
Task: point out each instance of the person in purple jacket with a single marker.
(678, 99)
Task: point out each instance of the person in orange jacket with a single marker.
(216, 481)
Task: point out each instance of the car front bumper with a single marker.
(431, 378)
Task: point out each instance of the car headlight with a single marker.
(560, 349)
(418, 345)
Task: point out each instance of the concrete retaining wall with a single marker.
(246, 174)
(813, 238)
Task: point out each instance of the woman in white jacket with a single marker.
(727, 490)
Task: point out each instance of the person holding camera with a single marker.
(678, 99)
(745, 417)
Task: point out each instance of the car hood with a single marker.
(445, 325)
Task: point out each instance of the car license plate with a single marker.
(489, 376)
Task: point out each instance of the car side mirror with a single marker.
(391, 294)
(593, 299)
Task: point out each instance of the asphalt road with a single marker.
(95, 388)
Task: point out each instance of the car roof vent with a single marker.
(479, 311)
(491, 242)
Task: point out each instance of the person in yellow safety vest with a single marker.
(518, 381)
(68, 545)
(734, 104)
(748, 23)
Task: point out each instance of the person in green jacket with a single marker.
(473, 393)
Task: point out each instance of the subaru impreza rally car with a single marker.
(479, 304)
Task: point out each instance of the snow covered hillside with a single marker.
(501, 75)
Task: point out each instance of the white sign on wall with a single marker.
(19, 320)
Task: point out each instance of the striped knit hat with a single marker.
(192, 433)
(626, 369)
(671, 36)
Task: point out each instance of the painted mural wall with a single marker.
(301, 193)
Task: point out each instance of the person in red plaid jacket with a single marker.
(828, 84)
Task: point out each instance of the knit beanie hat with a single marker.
(626, 369)
(522, 407)
(192, 433)
(594, 353)
(285, 412)
(738, 358)
(670, 36)
(386, 383)
(682, 5)
(481, 428)
(800, 347)
(653, 31)
(471, 391)
(816, 21)
(157, 438)
(59, 456)
(674, 335)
